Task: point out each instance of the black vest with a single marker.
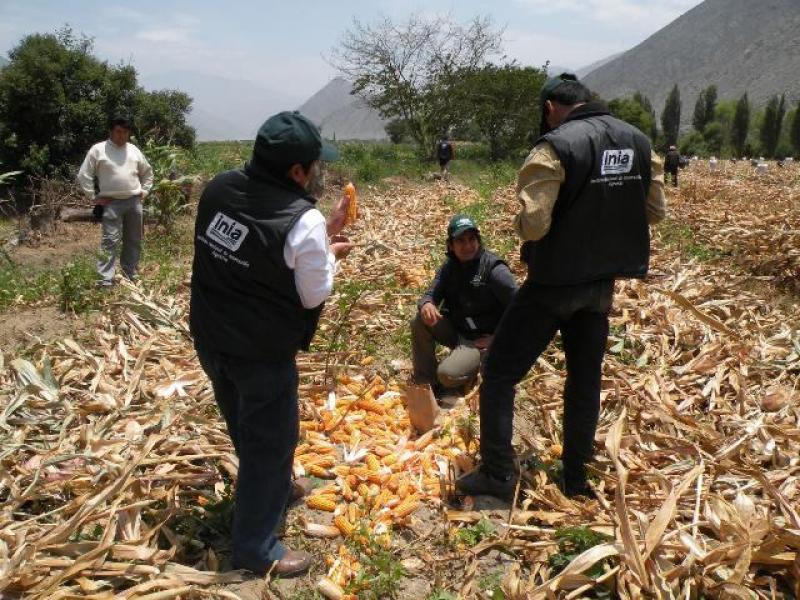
(468, 300)
(244, 301)
(599, 228)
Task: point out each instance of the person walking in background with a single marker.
(445, 153)
(263, 267)
(672, 163)
(588, 189)
(117, 176)
(473, 287)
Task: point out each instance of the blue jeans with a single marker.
(259, 403)
(528, 326)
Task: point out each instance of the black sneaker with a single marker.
(480, 483)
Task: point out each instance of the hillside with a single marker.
(223, 108)
(342, 116)
(738, 45)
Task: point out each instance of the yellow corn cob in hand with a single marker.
(352, 207)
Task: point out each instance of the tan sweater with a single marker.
(121, 171)
(540, 179)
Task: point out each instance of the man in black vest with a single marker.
(672, 162)
(588, 189)
(262, 270)
(473, 288)
(444, 153)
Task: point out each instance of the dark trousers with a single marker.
(674, 176)
(259, 403)
(531, 321)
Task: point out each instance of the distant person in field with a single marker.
(445, 153)
(588, 190)
(117, 176)
(263, 268)
(460, 310)
(672, 163)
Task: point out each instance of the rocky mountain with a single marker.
(342, 116)
(738, 45)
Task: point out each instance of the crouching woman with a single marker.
(460, 310)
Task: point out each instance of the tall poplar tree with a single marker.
(671, 117)
(794, 134)
(741, 125)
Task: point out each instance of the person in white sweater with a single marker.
(117, 176)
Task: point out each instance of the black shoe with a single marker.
(480, 483)
(575, 490)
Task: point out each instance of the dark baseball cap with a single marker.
(289, 138)
(458, 225)
(553, 83)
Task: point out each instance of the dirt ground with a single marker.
(35, 324)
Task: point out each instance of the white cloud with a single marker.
(534, 49)
(165, 35)
(643, 15)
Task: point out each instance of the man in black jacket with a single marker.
(588, 190)
(473, 288)
(672, 162)
(262, 270)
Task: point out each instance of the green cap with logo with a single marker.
(289, 138)
(458, 225)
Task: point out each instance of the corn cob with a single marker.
(343, 525)
(363, 490)
(321, 502)
(371, 405)
(405, 508)
(353, 512)
(352, 207)
(317, 471)
(372, 462)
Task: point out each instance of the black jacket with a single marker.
(599, 225)
(474, 294)
(672, 161)
(244, 301)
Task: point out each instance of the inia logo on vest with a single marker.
(228, 232)
(617, 162)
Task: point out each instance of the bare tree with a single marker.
(405, 70)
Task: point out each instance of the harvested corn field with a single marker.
(117, 471)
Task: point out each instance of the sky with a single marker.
(284, 46)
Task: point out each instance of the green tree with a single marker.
(633, 112)
(396, 130)
(161, 116)
(56, 99)
(794, 133)
(714, 137)
(772, 124)
(645, 103)
(407, 70)
(671, 116)
(699, 115)
(496, 99)
(741, 125)
(704, 108)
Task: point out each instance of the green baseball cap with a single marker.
(551, 84)
(458, 225)
(289, 138)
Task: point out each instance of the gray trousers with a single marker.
(460, 366)
(122, 222)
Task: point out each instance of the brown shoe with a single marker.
(301, 487)
(294, 562)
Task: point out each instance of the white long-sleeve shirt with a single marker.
(307, 252)
(121, 171)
